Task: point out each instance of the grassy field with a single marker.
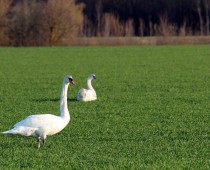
(152, 110)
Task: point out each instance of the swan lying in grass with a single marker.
(88, 94)
(42, 125)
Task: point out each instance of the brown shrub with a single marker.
(165, 28)
(38, 23)
(4, 8)
(61, 20)
(24, 24)
(112, 26)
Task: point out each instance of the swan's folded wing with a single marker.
(82, 93)
(38, 120)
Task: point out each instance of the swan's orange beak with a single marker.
(72, 82)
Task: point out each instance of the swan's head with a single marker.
(69, 79)
(92, 76)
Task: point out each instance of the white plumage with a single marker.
(88, 94)
(43, 125)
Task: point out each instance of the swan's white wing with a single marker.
(39, 120)
(91, 93)
(82, 93)
(86, 95)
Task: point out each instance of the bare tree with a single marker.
(99, 17)
(112, 26)
(88, 27)
(4, 8)
(207, 5)
(141, 27)
(44, 23)
(61, 20)
(183, 29)
(24, 24)
(165, 28)
(200, 16)
(129, 28)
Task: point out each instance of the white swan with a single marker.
(42, 125)
(88, 94)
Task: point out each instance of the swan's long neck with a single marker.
(63, 102)
(89, 85)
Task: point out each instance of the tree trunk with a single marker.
(99, 17)
(200, 17)
(206, 4)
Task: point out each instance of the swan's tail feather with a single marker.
(21, 130)
(12, 131)
(7, 132)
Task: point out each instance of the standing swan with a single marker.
(88, 94)
(42, 125)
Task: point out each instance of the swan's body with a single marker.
(43, 125)
(88, 94)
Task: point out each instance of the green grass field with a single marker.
(152, 110)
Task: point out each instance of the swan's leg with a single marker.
(44, 141)
(44, 137)
(38, 140)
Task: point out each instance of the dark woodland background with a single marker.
(48, 22)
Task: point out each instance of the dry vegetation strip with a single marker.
(135, 41)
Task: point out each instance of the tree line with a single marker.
(48, 22)
(147, 17)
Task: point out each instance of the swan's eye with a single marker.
(71, 80)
